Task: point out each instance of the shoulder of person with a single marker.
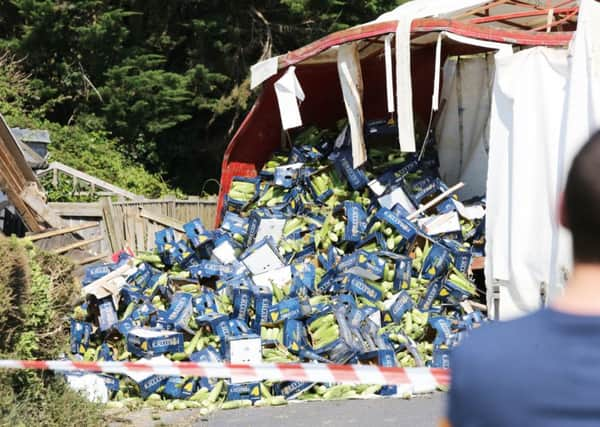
(494, 337)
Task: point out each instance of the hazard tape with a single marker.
(420, 378)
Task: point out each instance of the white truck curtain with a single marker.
(546, 103)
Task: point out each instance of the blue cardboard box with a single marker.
(80, 336)
(107, 315)
(225, 250)
(216, 322)
(234, 224)
(363, 264)
(356, 221)
(432, 293)
(143, 342)
(461, 256)
(359, 287)
(402, 273)
(141, 276)
(263, 299)
(402, 304)
(148, 383)
(242, 346)
(180, 311)
(124, 326)
(197, 233)
(454, 293)
(436, 262)
(303, 279)
(96, 272)
(261, 257)
(294, 335)
(319, 198)
(423, 188)
(238, 203)
(180, 388)
(376, 237)
(403, 227)
(442, 326)
(355, 177)
(165, 244)
(262, 224)
(207, 354)
(105, 353)
(206, 269)
(291, 308)
(205, 303)
(242, 302)
(286, 176)
(441, 358)
(131, 295)
(291, 389)
(244, 391)
(143, 312)
(184, 255)
(111, 382)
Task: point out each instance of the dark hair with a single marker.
(582, 202)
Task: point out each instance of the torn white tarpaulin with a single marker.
(289, 92)
(350, 74)
(525, 125)
(581, 118)
(405, 14)
(90, 386)
(262, 70)
(462, 129)
(502, 48)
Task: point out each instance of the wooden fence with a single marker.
(133, 223)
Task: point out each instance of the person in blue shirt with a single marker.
(542, 369)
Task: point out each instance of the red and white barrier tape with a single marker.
(421, 378)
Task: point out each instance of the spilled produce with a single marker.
(314, 261)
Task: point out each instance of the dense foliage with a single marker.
(165, 82)
(38, 290)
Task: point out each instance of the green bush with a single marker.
(83, 145)
(38, 292)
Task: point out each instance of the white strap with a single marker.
(435, 100)
(389, 79)
(351, 80)
(406, 127)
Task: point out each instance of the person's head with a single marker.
(580, 211)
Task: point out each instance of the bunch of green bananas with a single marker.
(242, 191)
(323, 331)
(278, 354)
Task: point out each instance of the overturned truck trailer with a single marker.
(509, 89)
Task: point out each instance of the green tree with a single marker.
(168, 80)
